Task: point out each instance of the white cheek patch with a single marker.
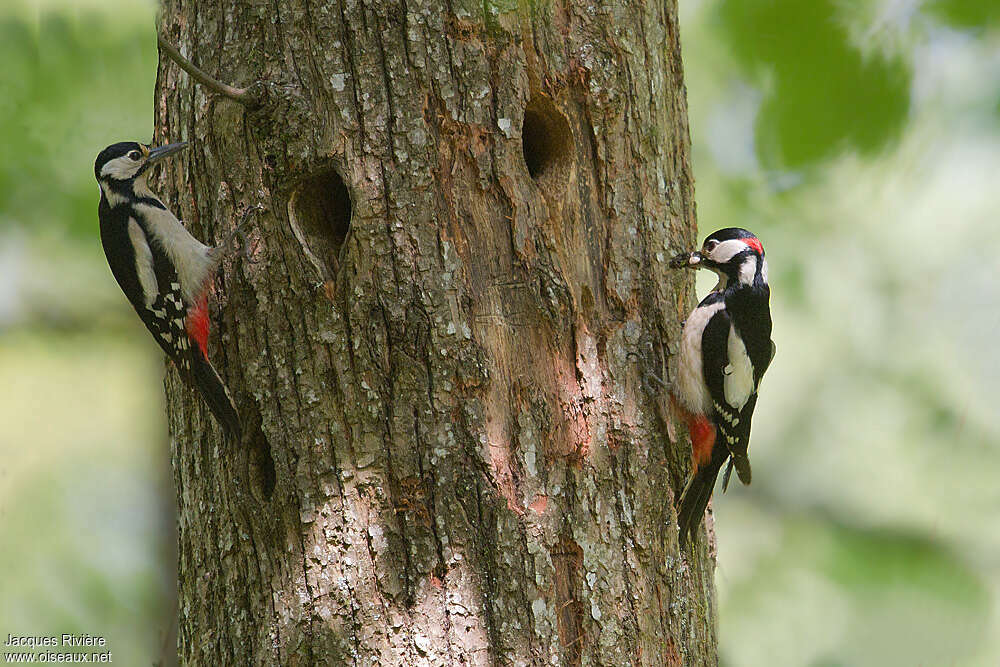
(763, 270)
(726, 250)
(121, 168)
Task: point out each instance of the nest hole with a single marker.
(323, 210)
(545, 139)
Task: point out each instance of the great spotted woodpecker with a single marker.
(725, 348)
(164, 271)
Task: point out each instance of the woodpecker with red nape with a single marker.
(165, 272)
(725, 348)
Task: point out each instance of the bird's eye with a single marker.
(134, 155)
(710, 245)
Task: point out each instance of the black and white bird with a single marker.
(725, 348)
(165, 272)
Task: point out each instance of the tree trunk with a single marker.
(456, 452)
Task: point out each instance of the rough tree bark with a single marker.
(455, 451)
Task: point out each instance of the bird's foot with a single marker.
(649, 375)
(240, 233)
(646, 376)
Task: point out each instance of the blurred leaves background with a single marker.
(86, 501)
(860, 140)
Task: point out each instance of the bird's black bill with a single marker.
(161, 152)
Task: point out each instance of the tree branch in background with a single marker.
(241, 95)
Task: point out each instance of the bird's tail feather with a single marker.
(217, 396)
(742, 464)
(694, 499)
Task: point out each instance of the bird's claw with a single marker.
(654, 376)
(240, 233)
(648, 375)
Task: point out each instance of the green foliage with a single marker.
(825, 95)
(84, 511)
(974, 14)
(84, 506)
(839, 594)
(870, 562)
(72, 84)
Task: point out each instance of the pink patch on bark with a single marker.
(539, 504)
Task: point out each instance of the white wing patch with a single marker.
(191, 257)
(738, 373)
(143, 263)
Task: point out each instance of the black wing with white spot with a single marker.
(150, 282)
(162, 308)
(731, 421)
(169, 323)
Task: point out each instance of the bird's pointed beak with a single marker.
(161, 152)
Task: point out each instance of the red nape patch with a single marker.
(755, 244)
(702, 439)
(197, 323)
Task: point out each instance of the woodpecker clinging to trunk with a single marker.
(725, 348)
(164, 271)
